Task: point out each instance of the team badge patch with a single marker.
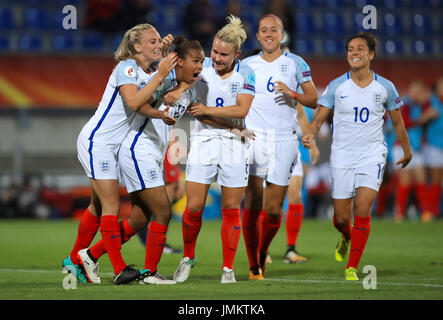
(398, 100)
(104, 166)
(153, 175)
(234, 87)
(284, 68)
(130, 72)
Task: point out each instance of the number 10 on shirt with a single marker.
(363, 115)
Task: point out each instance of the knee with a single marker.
(195, 205)
(341, 222)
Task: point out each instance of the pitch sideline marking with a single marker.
(268, 279)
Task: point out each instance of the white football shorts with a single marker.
(344, 181)
(218, 159)
(416, 161)
(273, 161)
(98, 159)
(139, 170)
(433, 156)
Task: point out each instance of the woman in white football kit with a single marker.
(98, 143)
(360, 99)
(273, 153)
(225, 89)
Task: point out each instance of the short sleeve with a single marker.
(126, 72)
(327, 99)
(302, 69)
(248, 75)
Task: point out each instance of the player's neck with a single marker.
(143, 63)
(271, 56)
(362, 77)
(224, 74)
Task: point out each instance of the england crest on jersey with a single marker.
(234, 87)
(377, 98)
(284, 68)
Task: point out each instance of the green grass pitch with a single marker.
(408, 258)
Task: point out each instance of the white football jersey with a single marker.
(213, 91)
(151, 136)
(112, 119)
(358, 119)
(271, 114)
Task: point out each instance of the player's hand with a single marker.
(280, 87)
(166, 118)
(166, 44)
(171, 97)
(167, 64)
(307, 140)
(245, 134)
(314, 153)
(197, 109)
(405, 160)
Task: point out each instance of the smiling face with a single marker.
(190, 66)
(270, 34)
(150, 45)
(223, 55)
(359, 56)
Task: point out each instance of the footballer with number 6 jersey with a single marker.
(273, 153)
(360, 99)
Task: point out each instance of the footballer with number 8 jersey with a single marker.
(225, 90)
(360, 99)
(273, 153)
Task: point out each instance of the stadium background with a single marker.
(52, 79)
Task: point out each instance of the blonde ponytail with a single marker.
(233, 32)
(126, 48)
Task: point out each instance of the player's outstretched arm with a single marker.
(135, 98)
(314, 126)
(238, 111)
(402, 136)
(302, 119)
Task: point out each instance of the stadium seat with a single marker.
(7, 19)
(62, 42)
(35, 18)
(304, 3)
(333, 47)
(421, 3)
(421, 24)
(392, 24)
(27, 42)
(393, 4)
(92, 41)
(358, 20)
(115, 41)
(333, 23)
(158, 19)
(305, 23)
(334, 3)
(5, 43)
(421, 47)
(392, 47)
(304, 46)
